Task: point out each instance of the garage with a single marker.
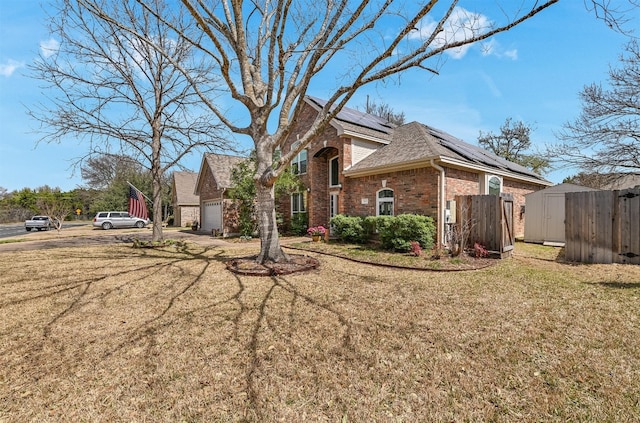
(211, 215)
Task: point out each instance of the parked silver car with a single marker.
(113, 219)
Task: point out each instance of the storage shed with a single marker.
(544, 214)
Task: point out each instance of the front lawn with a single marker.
(115, 333)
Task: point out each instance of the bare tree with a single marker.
(56, 207)
(269, 51)
(99, 171)
(121, 94)
(513, 143)
(384, 111)
(605, 138)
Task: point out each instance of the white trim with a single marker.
(330, 161)
(303, 195)
(386, 200)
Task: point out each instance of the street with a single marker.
(16, 229)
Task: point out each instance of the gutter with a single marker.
(442, 198)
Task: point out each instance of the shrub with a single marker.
(416, 250)
(299, 223)
(479, 250)
(397, 232)
(350, 229)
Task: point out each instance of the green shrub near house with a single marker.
(395, 232)
(350, 229)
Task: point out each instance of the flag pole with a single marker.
(134, 187)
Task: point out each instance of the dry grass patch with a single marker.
(113, 333)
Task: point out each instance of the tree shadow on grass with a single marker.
(254, 394)
(620, 285)
(257, 306)
(73, 293)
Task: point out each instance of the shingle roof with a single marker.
(184, 184)
(411, 142)
(415, 142)
(221, 166)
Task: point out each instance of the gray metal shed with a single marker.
(544, 213)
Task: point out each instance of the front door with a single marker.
(333, 208)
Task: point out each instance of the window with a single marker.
(385, 203)
(495, 185)
(299, 162)
(334, 172)
(298, 202)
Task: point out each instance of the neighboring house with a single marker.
(218, 213)
(545, 210)
(623, 181)
(362, 165)
(186, 204)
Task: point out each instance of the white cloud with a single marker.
(493, 48)
(49, 47)
(463, 25)
(7, 69)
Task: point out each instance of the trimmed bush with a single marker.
(397, 232)
(350, 229)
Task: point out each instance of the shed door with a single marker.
(212, 216)
(554, 217)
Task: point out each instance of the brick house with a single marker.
(186, 204)
(363, 165)
(218, 213)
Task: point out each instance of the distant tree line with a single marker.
(106, 187)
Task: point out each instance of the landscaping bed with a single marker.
(372, 254)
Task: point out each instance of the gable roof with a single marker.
(412, 144)
(184, 186)
(220, 166)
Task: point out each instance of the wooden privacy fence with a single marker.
(487, 220)
(603, 226)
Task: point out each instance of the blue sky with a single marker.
(532, 73)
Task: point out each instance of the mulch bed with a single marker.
(250, 267)
(449, 264)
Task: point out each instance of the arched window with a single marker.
(495, 185)
(385, 203)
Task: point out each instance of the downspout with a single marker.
(222, 232)
(441, 208)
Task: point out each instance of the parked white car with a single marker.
(40, 223)
(118, 219)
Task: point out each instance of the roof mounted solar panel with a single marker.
(477, 154)
(359, 118)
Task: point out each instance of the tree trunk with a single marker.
(157, 211)
(270, 249)
(156, 175)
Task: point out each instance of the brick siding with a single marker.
(415, 190)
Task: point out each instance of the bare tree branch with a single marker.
(115, 85)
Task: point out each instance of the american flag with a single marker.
(137, 204)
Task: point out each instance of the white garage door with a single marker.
(212, 218)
